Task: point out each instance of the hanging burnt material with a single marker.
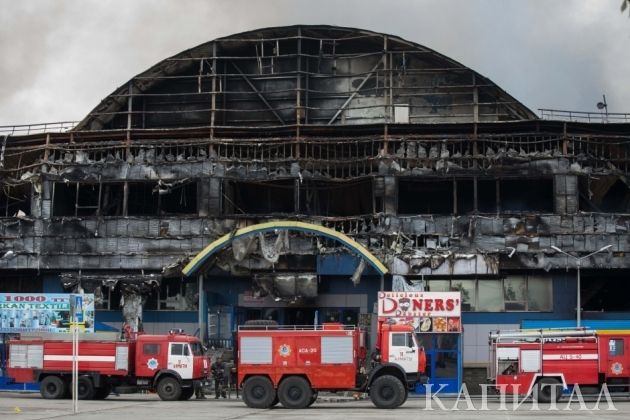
(358, 272)
(289, 287)
(134, 288)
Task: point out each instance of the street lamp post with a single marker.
(578, 263)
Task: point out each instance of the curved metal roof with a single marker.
(304, 75)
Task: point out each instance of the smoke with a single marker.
(60, 58)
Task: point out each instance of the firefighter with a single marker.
(218, 374)
(199, 394)
(199, 391)
(510, 370)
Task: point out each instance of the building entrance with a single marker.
(444, 362)
(436, 317)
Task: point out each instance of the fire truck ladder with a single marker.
(531, 335)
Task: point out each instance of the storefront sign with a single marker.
(426, 311)
(32, 312)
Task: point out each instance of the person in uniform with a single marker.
(199, 394)
(199, 391)
(218, 374)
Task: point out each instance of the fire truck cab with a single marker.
(291, 364)
(545, 362)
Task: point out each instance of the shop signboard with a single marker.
(428, 312)
(45, 312)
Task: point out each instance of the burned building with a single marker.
(290, 173)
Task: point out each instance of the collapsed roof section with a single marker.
(304, 75)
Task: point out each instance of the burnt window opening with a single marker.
(604, 194)
(152, 302)
(149, 199)
(425, 196)
(64, 196)
(617, 198)
(422, 196)
(181, 199)
(321, 198)
(487, 196)
(112, 199)
(522, 195)
(76, 199)
(87, 199)
(258, 197)
(465, 196)
(606, 291)
(143, 199)
(27, 282)
(111, 299)
(175, 294)
(106, 199)
(15, 199)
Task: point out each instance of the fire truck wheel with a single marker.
(169, 389)
(85, 388)
(258, 392)
(544, 389)
(387, 391)
(295, 392)
(52, 388)
(313, 398)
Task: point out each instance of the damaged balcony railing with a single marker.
(581, 116)
(48, 127)
(329, 157)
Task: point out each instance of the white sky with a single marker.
(59, 58)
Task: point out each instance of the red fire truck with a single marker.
(292, 364)
(170, 364)
(544, 362)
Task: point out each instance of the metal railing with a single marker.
(38, 128)
(329, 326)
(580, 116)
(220, 343)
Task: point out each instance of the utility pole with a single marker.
(578, 263)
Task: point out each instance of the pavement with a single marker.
(30, 406)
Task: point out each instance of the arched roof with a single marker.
(304, 75)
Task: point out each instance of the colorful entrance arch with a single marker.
(225, 240)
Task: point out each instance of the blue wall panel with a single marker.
(150, 316)
(341, 264)
(52, 284)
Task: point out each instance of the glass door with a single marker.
(444, 362)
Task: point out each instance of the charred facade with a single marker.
(439, 173)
